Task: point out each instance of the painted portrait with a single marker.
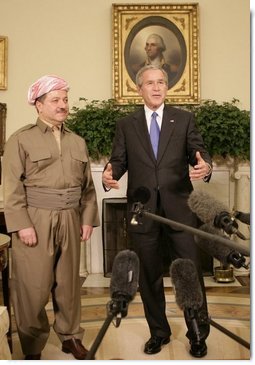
(155, 40)
(165, 35)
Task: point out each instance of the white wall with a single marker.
(73, 39)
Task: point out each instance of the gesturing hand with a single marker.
(200, 170)
(107, 178)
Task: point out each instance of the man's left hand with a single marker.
(201, 170)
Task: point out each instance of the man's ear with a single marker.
(38, 104)
(138, 88)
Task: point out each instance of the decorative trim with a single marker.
(178, 27)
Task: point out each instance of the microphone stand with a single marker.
(230, 334)
(138, 210)
(190, 312)
(115, 308)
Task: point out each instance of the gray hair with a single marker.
(140, 73)
(159, 41)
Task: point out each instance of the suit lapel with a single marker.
(167, 128)
(141, 128)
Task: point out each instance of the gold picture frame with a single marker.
(3, 111)
(178, 28)
(3, 62)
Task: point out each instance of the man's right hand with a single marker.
(28, 236)
(107, 178)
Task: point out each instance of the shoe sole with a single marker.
(164, 342)
(32, 358)
(198, 355)
(67, 351)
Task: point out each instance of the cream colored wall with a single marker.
(72, 38)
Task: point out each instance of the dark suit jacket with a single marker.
(169, 174)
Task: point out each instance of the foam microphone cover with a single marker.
(214, 249)
(205, 206)
(188, 292)
(142, 195)
(125, 275)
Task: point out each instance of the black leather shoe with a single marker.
(33, 357)
(75, 347)
(198, 349)
(154, 344)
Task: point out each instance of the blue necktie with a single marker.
(154, 133)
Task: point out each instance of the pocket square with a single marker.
(171, 120)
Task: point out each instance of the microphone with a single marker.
(209, 210)
(242, 217)
(123, 287)
(203, 210)
(221, 252)
(188, 292)
(140, 197)
(189, 297)
(124, 281)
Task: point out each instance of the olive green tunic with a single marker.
(32, 159)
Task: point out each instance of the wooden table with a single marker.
(5, 242)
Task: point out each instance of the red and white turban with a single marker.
(44, 85)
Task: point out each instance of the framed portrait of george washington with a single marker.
(163, 34)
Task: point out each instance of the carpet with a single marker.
(126, 342)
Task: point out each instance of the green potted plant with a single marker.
(225, 129)
(95, 122)
(224, 126)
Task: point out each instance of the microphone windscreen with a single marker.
(125, 274)
(214, 249)
(142, 195)
(188, 292)
(205, 206)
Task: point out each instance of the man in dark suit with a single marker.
(166, 172)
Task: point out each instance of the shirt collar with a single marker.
(43, 125)
(148, 113)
